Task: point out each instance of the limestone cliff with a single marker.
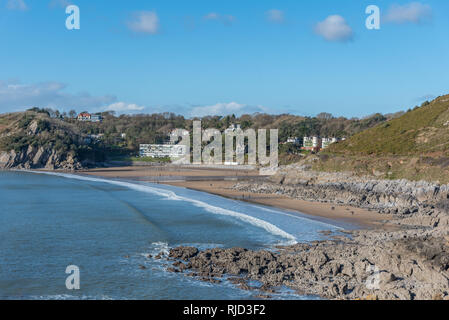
(38, 158)
(30, 140)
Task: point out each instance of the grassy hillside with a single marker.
(422, 131)
(414, 146)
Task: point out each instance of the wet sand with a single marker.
(161, 172)
(346, 214)
(221, 181)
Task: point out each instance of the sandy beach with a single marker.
(221, 181)
(161, 173)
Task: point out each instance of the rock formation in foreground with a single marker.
(408, 259)
(403, 265)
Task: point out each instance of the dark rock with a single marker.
(183, 253)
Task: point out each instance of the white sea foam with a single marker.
(154, 249)
(292, 215)
(159, 247)
(170, 195)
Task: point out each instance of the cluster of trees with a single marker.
(50, 134)
(55, 113)
(122, 135)
(156, 127)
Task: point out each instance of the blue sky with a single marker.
(203, 57)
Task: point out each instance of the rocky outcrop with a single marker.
(38, 158)
(405, 267)
(408, 260)
(386, 196)
(37, 140)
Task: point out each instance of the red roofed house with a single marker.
(84, 116)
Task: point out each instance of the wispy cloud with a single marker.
(16, 5)
(223, 109)
(414, 12)
(275, 16)
(144, 22)
(225, 19)
(16, 96)
(334, 28)
(123, 107)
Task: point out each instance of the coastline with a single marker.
(357, 217)
(405, 254)
(220, 182)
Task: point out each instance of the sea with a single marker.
(107, 228)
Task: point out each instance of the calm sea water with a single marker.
(107, 228)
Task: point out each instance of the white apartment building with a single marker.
(311, 143)
(326, 142)
(162, 151)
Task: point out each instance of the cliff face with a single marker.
(38, 158)
(35, 141)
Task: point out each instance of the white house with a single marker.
(85, 116)
(233, 128)
(311, 143)
(295, 140)
(326, 142)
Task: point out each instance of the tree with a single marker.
(325, 116)
(72, 114)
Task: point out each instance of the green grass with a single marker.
(421, 131)
(414, 147)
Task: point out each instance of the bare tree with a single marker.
(325, 116)
(72, 113)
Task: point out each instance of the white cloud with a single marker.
(222, 109)
(123, 107)
(16, 5)
(334, 28)
(16, 96)
(225, 19)
(275, 16)
(144, 22)
(414, 12)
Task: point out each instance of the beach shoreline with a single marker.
(403, 235)
(220, 182)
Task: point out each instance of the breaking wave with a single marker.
(170, 195)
